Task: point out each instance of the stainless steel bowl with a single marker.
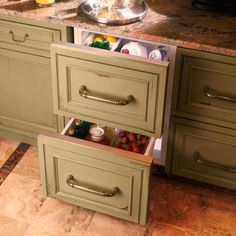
(114, 12)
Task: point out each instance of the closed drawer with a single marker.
(96, 176)
(205, 153)
(207, 86)
(27, 38)
(108, 87)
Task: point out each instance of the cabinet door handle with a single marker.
(200, 160)
(211, 94)
(102, 98)
(74, 184)
(18, 40)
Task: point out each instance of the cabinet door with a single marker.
(25, 94)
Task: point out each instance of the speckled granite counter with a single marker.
(168, 21)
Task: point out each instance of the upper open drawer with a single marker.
(111, 88)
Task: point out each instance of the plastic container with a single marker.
(134, 48)
(44, 2)
(161, 54)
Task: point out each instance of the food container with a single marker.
(44, 2)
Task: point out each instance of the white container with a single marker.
(134, 48)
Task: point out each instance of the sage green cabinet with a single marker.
(205, 87)
(204, 152)
(25, 93)
(26, 106)
(202, 137)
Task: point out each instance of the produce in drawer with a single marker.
(104, 42)
(108, 136)
(131, 142)
(80, 130)
(102, 45)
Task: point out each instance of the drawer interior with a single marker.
(112, 137)
(152, 51)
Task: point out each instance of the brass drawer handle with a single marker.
(200, 160)
(211, 94)
(101, 98)
(74, 184)
(18, 40)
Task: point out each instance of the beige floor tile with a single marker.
(29, 164)
(104, 225)
(7, 147)
(57, 218)
(170, 230)
(20, 198)
(10, 227)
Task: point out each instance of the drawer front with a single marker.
(208, 87)
(27, 38)
(74, 171)
(89, 83)
(205, 153)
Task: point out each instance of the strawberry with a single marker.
(125, 140)
(128, 148)
(144, 141)
(137, 149)
(139, 143)
(134, 146)
(139, 137)
(132, 137)
(122, 134)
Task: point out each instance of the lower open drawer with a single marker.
(96, 176)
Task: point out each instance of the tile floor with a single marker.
(176, 208)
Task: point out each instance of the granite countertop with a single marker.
(172, 22)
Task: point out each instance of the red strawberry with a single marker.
(139, 137)
(132, 137)
(128, 148)
(121, 134)
(137, 149)
(144, 141)
(139, 143)
(125, 140)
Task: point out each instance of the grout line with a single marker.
(90, 221)
(12, 161)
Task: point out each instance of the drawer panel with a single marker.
(208, 87)
(88, 83)
(205, 153)
(79, 172)
(26, 37)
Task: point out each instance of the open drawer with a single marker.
(112, 88)
(96, 176)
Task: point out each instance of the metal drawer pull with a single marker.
(74, 184)
(18, 40)
(211, 94)
(197, 157)
(115, 101)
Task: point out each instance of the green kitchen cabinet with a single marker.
(26, 106)
(204, 152)
(202, 137)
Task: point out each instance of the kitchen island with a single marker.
(206, 51)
